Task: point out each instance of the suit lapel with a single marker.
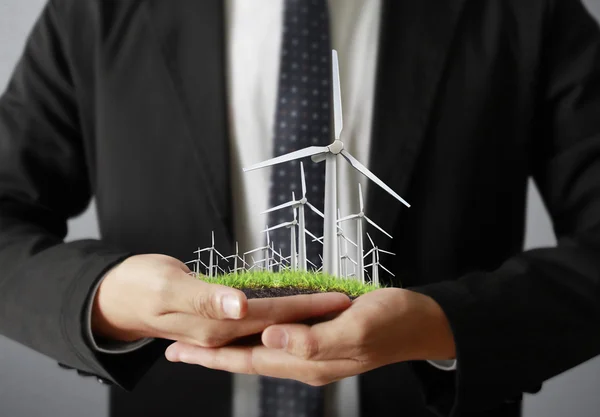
(416, 38)
(191, 39)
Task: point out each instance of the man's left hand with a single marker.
(381, 327)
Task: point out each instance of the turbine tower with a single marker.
(359, 217)
(330, 155)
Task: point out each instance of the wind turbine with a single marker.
(375, 264)
(266, 249)
(299, 204)
(292, 226)
(197, 263)
(330, 155)
(236, 258)
(211, 251)
(359, 217)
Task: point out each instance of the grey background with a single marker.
(31, 385)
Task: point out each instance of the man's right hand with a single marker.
(154, 296)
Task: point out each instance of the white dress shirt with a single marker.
(253, 30)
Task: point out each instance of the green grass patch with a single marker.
(288, 279)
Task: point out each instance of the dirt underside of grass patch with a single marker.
(278, 292)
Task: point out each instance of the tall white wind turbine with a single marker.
(330, 155)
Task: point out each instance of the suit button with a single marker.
(104, 381)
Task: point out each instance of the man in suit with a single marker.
(130, 102)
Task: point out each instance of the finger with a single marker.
(263, 361)
(261, 314)
(184, 268)
(296, 308)
(212, 301)
(330, 340)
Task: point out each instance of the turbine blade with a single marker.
(360, 198)
(303, 180)
(363, 170)
(372, 223)
(371, 240)
(281, 206)
(310, 234)
(368, 253)
(219, 253)
(337, 95)
(302, 153)
(387, 270)
(388, 252)
(255, 250)
(347, 239)
(213, 238)
(318, 158)
(316, 210)
(279, 226)
(315, 239)
(352, 216)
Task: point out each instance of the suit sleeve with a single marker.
(539, 313)
(44, 282)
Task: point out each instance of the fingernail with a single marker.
(277, 339)
(231, 306)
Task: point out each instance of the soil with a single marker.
(277, 292)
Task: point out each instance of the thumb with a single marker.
(211, 301)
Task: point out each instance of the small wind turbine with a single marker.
(375, 264)
(292, 226)
(330, 155)
(299, 204)
(197, 263)
(359, 217)
(236, 258)
(266, 249)
(255, 263)
(211, 261)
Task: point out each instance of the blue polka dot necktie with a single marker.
(303, 119)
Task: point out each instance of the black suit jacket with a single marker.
(126, 102)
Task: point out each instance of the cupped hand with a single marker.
(154, 296)
(381, 327)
